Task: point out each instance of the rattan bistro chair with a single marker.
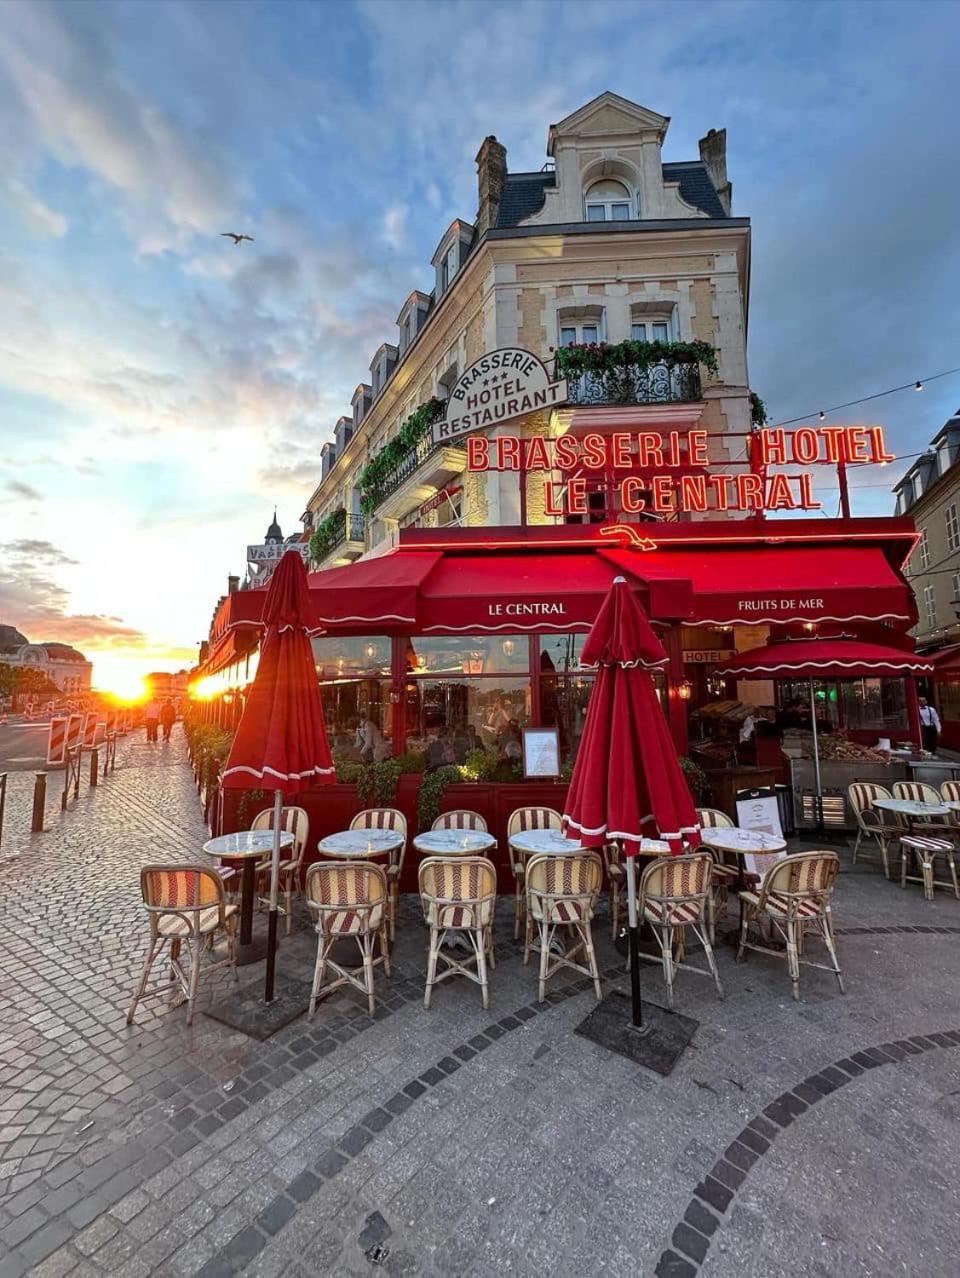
(724, 875)
(887, 828)
(387, 819)
(296, 822)
(562, 892)
(187, 907)
(521, 820)
(795, 897)
(675, 893)
(349, 899)
(460, 819)
(458, 894)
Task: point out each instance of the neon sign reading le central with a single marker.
(651, 456)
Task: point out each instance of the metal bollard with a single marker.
(39, 802)
(3, 800)
(94, 765)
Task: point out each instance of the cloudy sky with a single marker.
(160, 389)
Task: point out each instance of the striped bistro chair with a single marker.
(296, 822)
(724, 875)
(459, 894)
(675, 893)
(521, 820)
(562, 892)
(349, 899)
(460, 819)
(387, 819)
(187, 907)
(929, 837)
(795, 897)
(887, 828)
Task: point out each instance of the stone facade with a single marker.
(531, 270)
(930, 493)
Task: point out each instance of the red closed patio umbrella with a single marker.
(281, 741)
(627, 783)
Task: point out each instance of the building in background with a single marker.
(161, 683)
(64, 666)
(263, 559)
(606, 243)
(930, 493)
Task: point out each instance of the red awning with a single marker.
(778, 584)
(824, 659)
(946, 663)
(379, 591)
(515, 592)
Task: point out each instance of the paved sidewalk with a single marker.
(818, 1137)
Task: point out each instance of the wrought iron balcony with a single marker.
(416, 477)
(634, 384)
(341, 529)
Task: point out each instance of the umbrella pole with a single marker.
(634, 941)
(816, 760)
(274, 880)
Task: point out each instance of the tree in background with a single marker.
(18, 680)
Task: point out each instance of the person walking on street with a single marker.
(929, 726)
(168, 717)
(151, 717)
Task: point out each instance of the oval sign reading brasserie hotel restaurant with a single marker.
(496, 388)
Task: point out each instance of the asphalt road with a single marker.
(23, 746)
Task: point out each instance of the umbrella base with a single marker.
(254, 952)
(657, 1045)
(247, 1012)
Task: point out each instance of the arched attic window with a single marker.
(608, 201)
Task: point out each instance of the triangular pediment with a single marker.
(608, 114)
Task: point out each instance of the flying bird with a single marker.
(232, 235)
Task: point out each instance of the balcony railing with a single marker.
(342, 528)
(410, 462)
(633, 384)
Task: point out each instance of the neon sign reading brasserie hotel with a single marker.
(671, 472)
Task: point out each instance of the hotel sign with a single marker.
(664, 473)
(497, 388)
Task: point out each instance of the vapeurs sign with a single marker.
(495, 389)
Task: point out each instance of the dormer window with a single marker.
(448, 268)
(608, 201)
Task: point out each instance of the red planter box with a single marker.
(331, 808)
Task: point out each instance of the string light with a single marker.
(917, 385)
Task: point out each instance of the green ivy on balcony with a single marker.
(758, 410)
(327, 534)
(411, 433)
(608, 358)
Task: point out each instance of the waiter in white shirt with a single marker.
(929, 726)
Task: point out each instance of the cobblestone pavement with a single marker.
(818, 1137)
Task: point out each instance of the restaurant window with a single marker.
(930, 605)
(565, 690)
(953, 527)
(354, 674)
(579, 332)
(948, 695)
(467, 692)
(873, 703)
(923, 550)
(793, 698)
(608, 201)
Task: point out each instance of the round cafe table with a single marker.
(248, 846)
(360, 845)
(744, 843)
(913, 808)
(454, 842)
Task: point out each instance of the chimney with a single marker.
(233, 585)
(491, 179)
(713, 152)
